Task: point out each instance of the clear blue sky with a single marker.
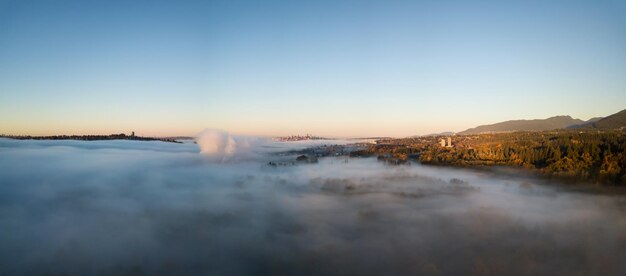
(336, 68)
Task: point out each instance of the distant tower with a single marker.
(132, 134)
(449, 142)
(443, 142)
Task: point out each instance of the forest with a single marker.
(593, 156)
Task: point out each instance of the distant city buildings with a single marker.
(299, 138)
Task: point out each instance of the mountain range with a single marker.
(617, 120)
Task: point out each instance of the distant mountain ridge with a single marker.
(551, 123)
(594, 119)
(617, 120)
(445, 133)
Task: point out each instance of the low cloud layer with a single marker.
(146, 208)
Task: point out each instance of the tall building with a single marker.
(449, 141)
(443, 142)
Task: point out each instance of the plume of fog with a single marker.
(128, 207)
(219, 145)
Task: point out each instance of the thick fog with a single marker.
(146, 208)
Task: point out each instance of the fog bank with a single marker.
(150, 208)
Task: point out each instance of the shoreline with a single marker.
(89, 138)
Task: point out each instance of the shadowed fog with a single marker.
(145, 208)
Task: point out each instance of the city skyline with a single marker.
(335, 69)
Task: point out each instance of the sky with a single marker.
(331, 68)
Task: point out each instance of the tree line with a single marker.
(588, 155)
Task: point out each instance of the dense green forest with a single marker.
(582, 155)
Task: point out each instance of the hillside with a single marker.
(551, 123)
(594, 119)
(614, 121)
(590, 156)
